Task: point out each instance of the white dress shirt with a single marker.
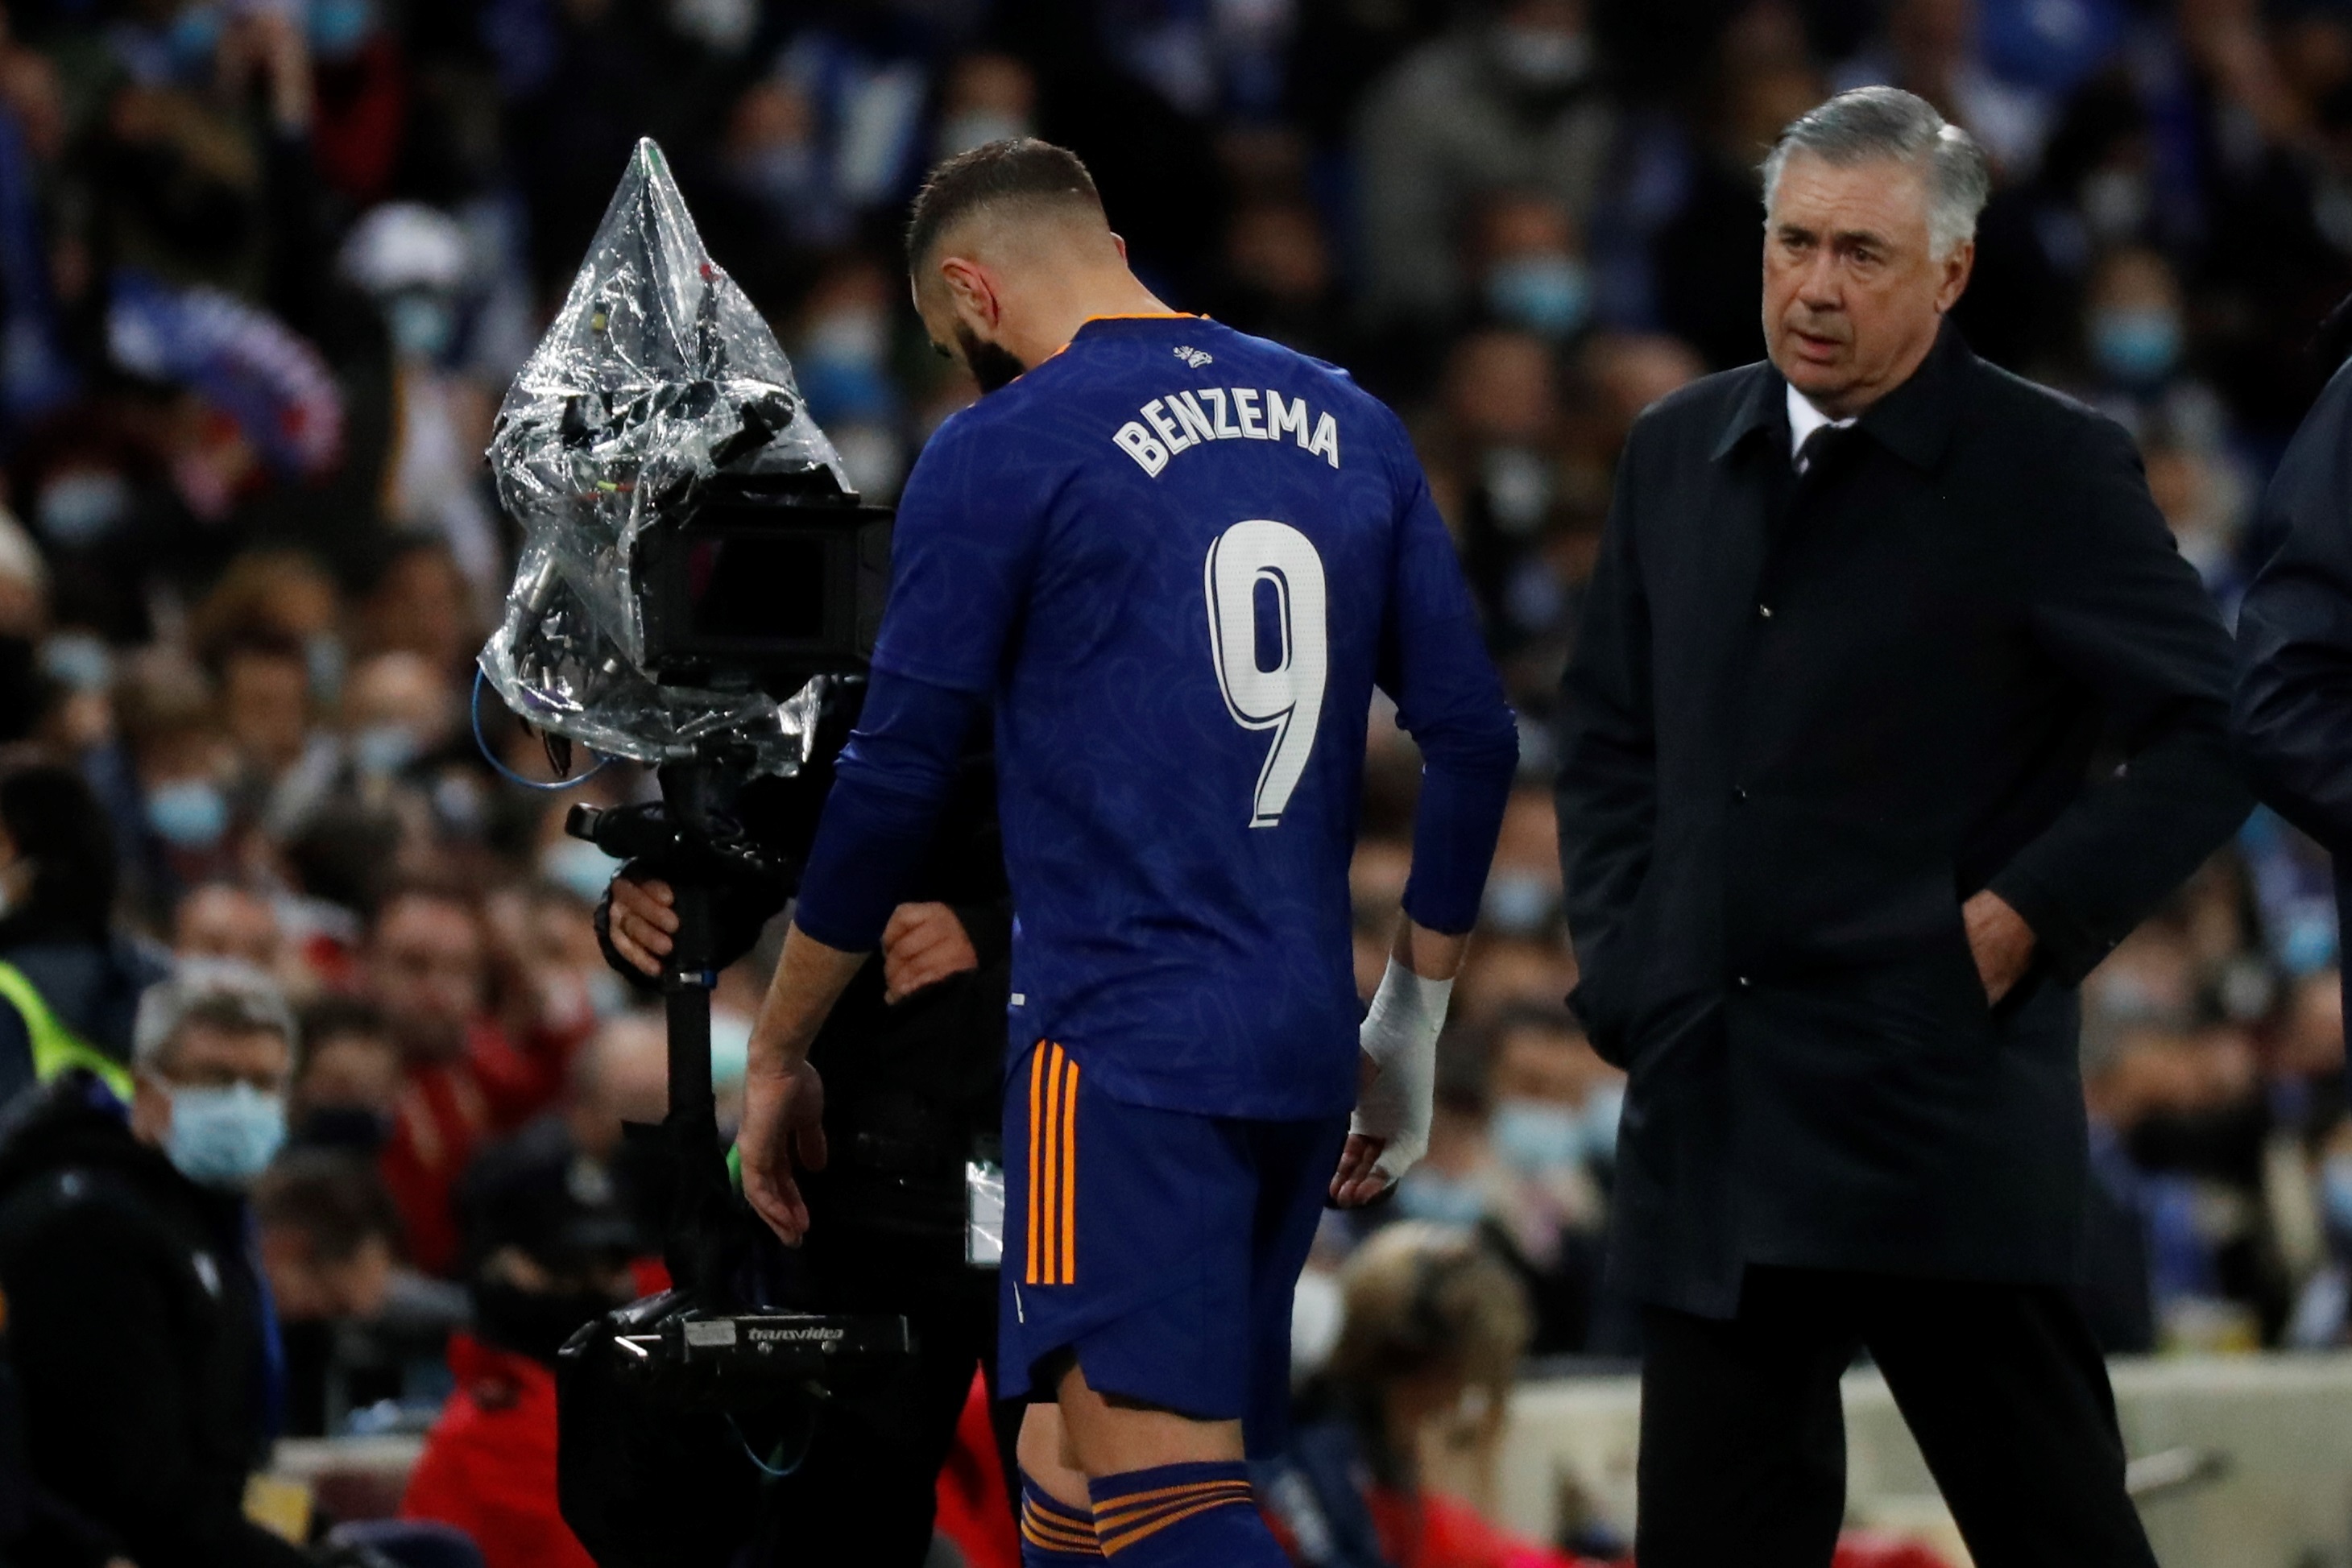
(1804, 420)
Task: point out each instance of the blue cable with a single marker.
(473, 710)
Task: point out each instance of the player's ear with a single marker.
(970, 291)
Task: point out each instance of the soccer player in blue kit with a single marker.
(1173, 561)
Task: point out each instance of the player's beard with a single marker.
(992, 365)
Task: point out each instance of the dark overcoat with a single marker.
(2293, 714)
(1806, 720)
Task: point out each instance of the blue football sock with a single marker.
(1184, 1515)
(1052, 1531)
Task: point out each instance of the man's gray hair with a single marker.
(215, 992)
(1876, 122)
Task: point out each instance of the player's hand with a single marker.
(642, 921)
(1359, 1181)
(783, 1124)
(923, 945)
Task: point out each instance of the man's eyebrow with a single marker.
(1861, 236)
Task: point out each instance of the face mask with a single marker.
(1543, 57)
(579, 867)
(1548, 295)
(79, 660)
(1518, 904)
(338, 27)
(224, 1137)
(1441, 1199)
(81, 508)
(992, 365)
(858, 338)
(194, 39)
(323, 657)
(384, 750)
(1604, 1109)
(978, 127)
(191, 814)
(2335, 1193)
(1532, 1136)
(730, 1048)
(420, 326)
(353, 1127)
(533, 1322)
(2136, 347)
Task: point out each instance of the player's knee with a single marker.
(1111, 1439)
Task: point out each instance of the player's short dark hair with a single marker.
(1021, 169)
(335, 1200)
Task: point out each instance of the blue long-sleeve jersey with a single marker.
(1175, 559)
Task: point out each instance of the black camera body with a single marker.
(763, 580)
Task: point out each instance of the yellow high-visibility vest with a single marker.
(55, 1048)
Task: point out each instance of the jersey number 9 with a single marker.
(1272, 566)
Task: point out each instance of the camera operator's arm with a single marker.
(889, 786)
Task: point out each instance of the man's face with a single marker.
(206, 1056)
(224, 922)
(425, 970)
(1853, 296)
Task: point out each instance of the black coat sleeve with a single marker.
(90, 1322)
(2116, 606)
(1607, 790)
(2293, 716)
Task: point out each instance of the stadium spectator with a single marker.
(141, 1324)
(464, 1080)
(69, 981)
(552, 1232)
(327, 1238)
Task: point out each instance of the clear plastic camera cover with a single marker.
(657, 374)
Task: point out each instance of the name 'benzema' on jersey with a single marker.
(1182, 420)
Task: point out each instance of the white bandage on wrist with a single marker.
(1399, 1034)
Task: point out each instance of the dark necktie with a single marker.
(1825, 440)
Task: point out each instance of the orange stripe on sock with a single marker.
(1036, 1089)
(1111, 1547)
(1070, 1176)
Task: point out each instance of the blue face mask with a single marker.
(79, 660)
(1604, 1109)
(384, 750)
(338, 27)
(322, 656)
(224, 1137)
(1424, 1194)
(2136, 347)
(194, 39)
(81, 508)
(730, 1048)
(421, 326)
(1548, 295)
(1518, 904)
(1533, 1137)
(2335, 1194)
(578, 867)
(191, 814)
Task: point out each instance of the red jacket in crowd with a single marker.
(489, 1465)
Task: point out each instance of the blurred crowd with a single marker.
(267, 266)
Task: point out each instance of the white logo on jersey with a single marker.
(1194, 357)
(1183, 421)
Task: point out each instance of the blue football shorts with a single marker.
(1161, 1247)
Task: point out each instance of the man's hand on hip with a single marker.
(2001, 942)
(923, 945)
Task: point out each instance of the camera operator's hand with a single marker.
(784, 1122)
(643, 922)
(923, 945)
